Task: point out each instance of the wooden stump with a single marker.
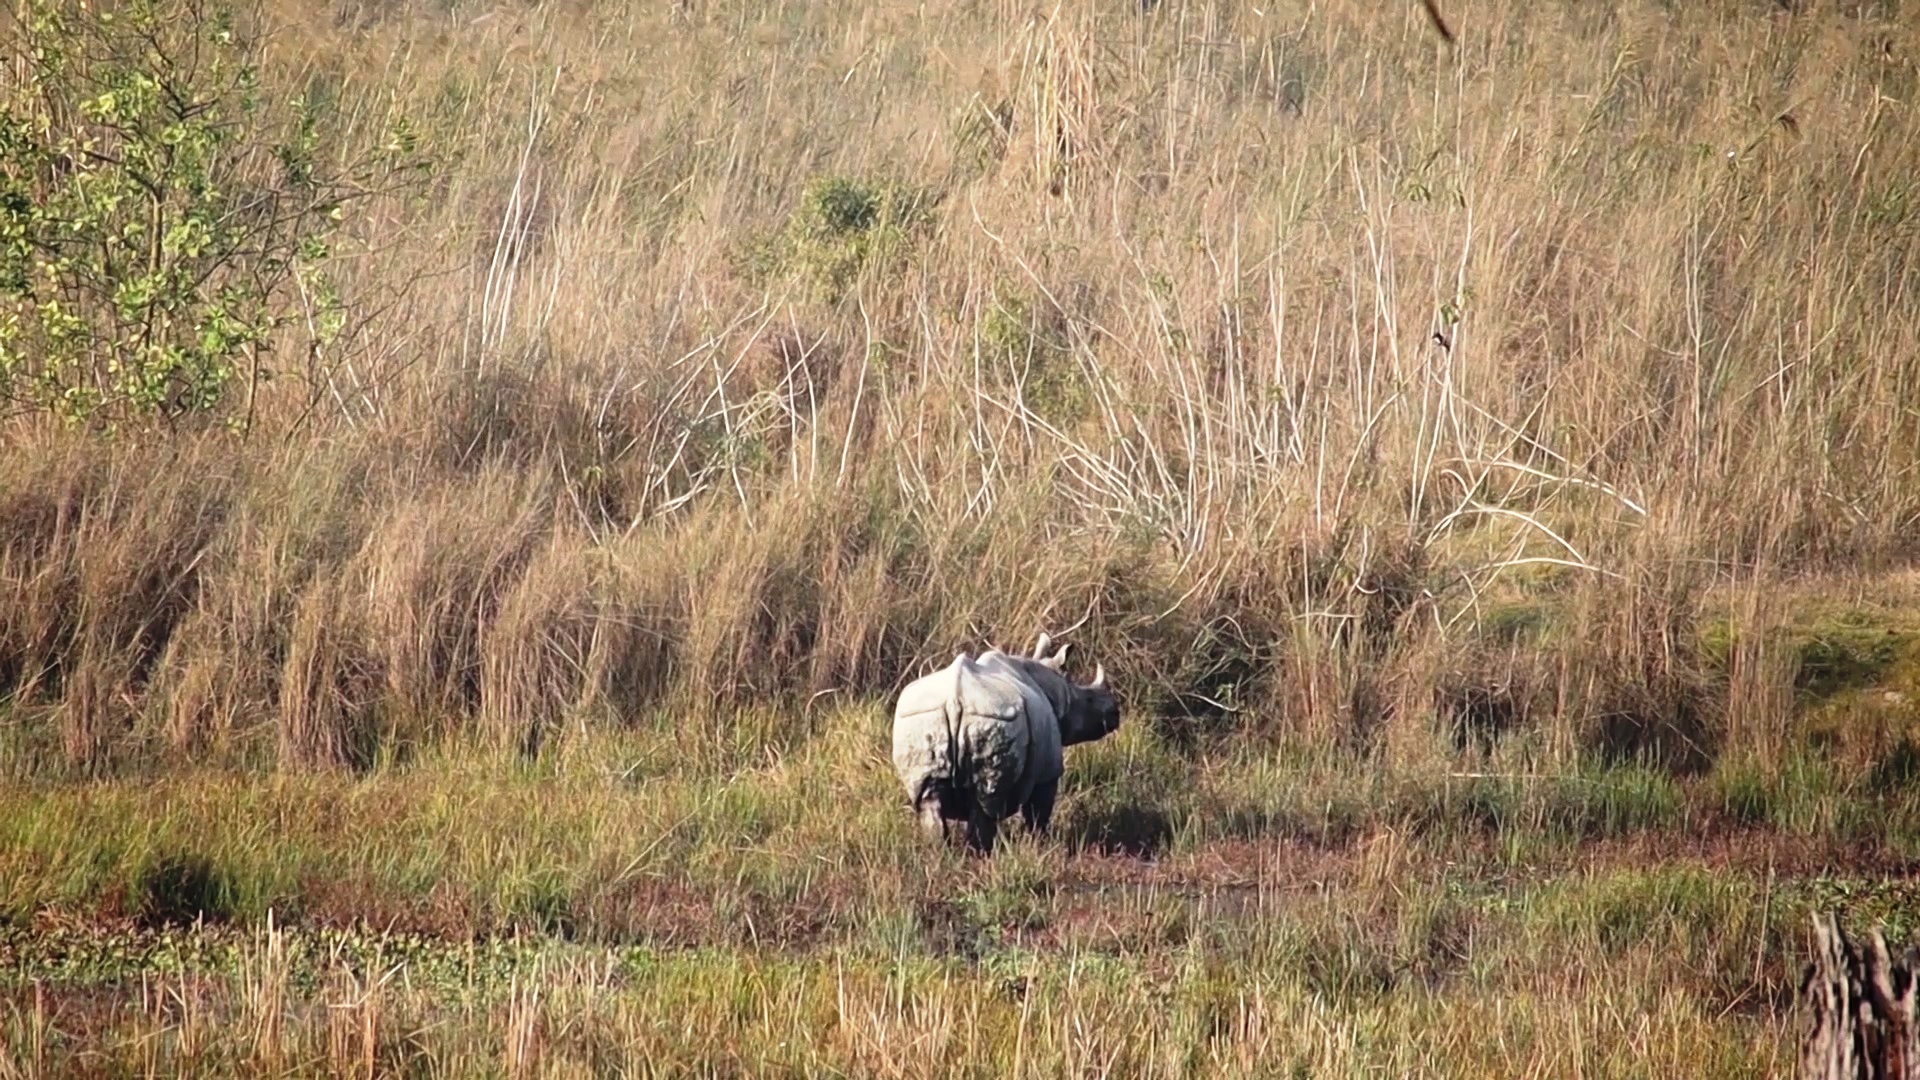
(1862, 1003)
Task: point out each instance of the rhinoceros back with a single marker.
(974, 733)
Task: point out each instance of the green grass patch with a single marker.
(1854, 649)
(606, 886)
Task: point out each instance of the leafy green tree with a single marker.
(160, 220)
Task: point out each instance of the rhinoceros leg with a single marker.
(981, 831)
(1038, 810)
(932, 824)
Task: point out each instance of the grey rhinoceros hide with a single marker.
(982, 738)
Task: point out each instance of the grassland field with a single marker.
(1489, 470)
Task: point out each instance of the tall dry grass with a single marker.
(1284, 351)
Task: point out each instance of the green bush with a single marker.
(842, 228)
(159, 221)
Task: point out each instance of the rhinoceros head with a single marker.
(1087, 711)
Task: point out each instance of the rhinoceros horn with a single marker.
(1099, 678)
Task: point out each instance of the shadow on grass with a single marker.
(181, 889)
(1664, 730)
(1137, 831)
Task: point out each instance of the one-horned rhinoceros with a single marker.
(983, 737)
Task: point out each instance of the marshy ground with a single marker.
(637, 904)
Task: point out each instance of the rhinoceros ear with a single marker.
(1099, 678)
(1040, 649)
(1058, 661)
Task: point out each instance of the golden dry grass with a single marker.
(1144, 332)
(1161, 352)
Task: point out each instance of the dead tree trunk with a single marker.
(1862, 1001)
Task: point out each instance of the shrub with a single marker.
(158, 221)
(840, 229)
